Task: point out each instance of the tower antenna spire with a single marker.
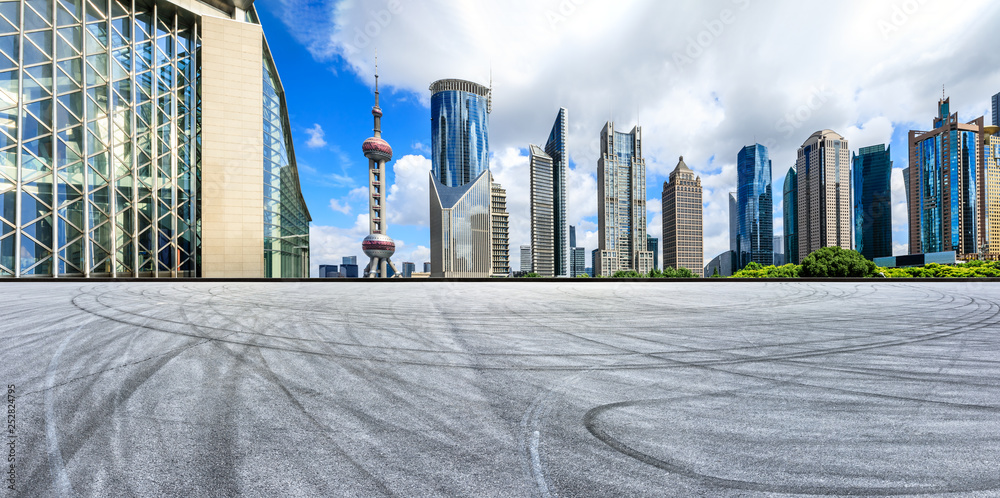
(376, 77)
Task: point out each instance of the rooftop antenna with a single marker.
(489, 98)
(376, 77)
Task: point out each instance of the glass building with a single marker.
(996, 109)
(621, 206)
(790, 218)
(872, 192)
(755, 229)
(460, 131)
(555, 148)
(653, 246)
(113, 153)
(543, 230)
(943, 191)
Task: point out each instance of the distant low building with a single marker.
(941, 258)
(722, 263)
(328, 271)
(408, 269)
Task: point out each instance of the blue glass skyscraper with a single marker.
(755, 238)
(460, 132)
(872, 168)
(790, 216)
(555, 147)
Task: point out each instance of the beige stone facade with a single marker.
(824, 196)
(683, 245)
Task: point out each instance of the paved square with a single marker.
(503, 389)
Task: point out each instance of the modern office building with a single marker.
(578, 256)
(823, 177)
(526, 259)
(872, 193)
(944, 197)
(328, 271)
(132, 143)
(378, 246)
(408, 269)
(722, 263)
(621, 206)
(595, 256)
(755, 207)
(991, 158)
(427, 267)
(349, 260)
(543, 230)
(790, 209)
(779, 250)
(557, 149)
(653, 246)
(734, 221)
(683, 245)
(996, 110)
(461, 186)
(349, 271)
(501, 231)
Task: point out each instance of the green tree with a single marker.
(583, 275)
(715, 273)
(837, 262)
(532, 275)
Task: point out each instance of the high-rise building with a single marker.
(944, 197)
(790, 209)
(779, 250)
(378, 246)
(683, 243)
(526, 259)
(653, 246)
(991, 154)
(328, 271)
(120, 155)
(349, 260)
(996, 110)
(349, 271)
(408, 269)
(823, 178)
(621, 206)
(557, 149)
(755, 209)
(542, 221)
(461, 186)
(872, 193)
(734, 222)
(595, 256)
(578, 256)
(501, 231)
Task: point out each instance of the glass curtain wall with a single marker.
(97, 139)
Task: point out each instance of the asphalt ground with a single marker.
(502, 389)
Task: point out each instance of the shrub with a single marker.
(837, 262)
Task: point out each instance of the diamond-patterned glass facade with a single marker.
(98, 139)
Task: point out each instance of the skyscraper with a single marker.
(996, 110)
(653, 246)
(621, 206)
(543, 231)
(683, 245)
(501, 231)
(755, 207)
(823, 176)
(734, 222)
(526, 259)
(991, 153)
(408, 269)
(944, 198)
(790, 209)
(145, 139)
(461, 186)
(556, 148)
(872, 192)
(578, 256)
(378, 246)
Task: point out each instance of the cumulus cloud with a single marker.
(340, 206)
(316, 135)
(409, 199)
(702, 78)
(329, 244)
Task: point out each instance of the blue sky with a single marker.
(702, 78)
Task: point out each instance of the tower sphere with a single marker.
(378, 245)
(377, 149)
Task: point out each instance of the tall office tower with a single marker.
(734, 221)
(145, 139)
(991, 154)
(755, 208)
(578, 256)
(349, 260)
(378, 246)
(996, 110)
(460, 180)
(556, 148)
(823, 178)
(944, 194)
(427, 267)
(872, 193)
(595, 256)
(790, 210)
(526, 259)
(408, 269)
(501, 231)
(543, 231)
(683, 245)
(779, 250)
(621, 206)
(653, 246)
(328, 271)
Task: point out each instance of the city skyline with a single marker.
(721, 118)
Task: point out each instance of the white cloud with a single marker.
(328, 245)
(340, 207)
(757, 71)
(316, 135)
(409, 199)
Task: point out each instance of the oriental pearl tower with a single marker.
(377, 245)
